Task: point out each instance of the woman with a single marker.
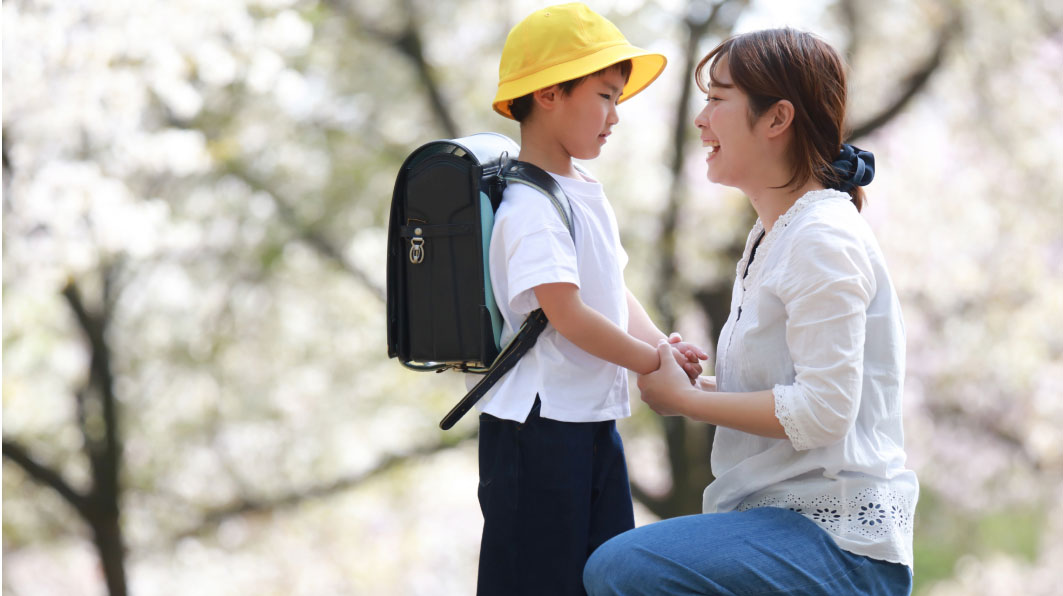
(811, 494)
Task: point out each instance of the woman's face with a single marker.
(727, 132)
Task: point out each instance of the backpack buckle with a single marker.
(417, 248)
(503, 165)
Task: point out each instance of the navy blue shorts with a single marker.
(551, 492)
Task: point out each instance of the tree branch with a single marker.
(8, 170)
(697, 26)
(685, 465)
(851, 18)
(85, 319)
(409, 43)
(311, 236)
(104, 456)
(212, 519)
(914, 82)
(46, 476)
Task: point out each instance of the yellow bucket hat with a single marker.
(565, 42)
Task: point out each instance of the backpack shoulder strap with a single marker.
(532, 175)
(523, 341)
(520, 172)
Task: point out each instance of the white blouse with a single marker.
(816, 320)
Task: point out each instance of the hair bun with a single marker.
(853, 167)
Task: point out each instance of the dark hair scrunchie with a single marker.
(853, 167)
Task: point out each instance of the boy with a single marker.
(553, 481)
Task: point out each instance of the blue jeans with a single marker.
(761, 551)
(551, 493)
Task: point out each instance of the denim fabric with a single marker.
(551, 492)
(761, 551)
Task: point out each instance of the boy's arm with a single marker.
(639, 323)
(668, 393)
(590, 331)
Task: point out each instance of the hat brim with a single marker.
(645, 68)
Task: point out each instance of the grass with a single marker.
(944, 534)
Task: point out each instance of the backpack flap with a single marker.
(440, 307)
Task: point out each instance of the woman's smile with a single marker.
(714, 148)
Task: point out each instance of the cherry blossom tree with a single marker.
(197, 397)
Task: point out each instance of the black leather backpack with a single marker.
(440, 306)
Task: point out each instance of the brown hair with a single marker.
(522, 106)
(777, 64)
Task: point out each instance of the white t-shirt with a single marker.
(817, 321)
(531, 246)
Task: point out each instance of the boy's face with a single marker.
(585, 117)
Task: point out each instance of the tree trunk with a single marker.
(107, 534)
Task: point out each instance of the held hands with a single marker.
(706, 383)
(661, 388)
(687, 355)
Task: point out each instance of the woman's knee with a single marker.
(613, 567)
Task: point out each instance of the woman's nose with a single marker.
(702, 119)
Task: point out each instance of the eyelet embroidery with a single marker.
(872, 513)
(826, 515)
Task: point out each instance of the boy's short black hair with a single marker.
(522, 106)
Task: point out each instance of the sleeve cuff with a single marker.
(786, 412)
(524, 300)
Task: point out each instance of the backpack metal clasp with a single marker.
(417, 248)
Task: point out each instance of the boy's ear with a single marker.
(779, 117)
(548, 97)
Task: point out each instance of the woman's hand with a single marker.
(662, 389)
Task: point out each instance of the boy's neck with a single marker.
(545, 152)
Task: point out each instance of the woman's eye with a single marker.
(712, 98)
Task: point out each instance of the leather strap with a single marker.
(525, 339)
(531, 175)
(426, 231)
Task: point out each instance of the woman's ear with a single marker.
(779, 117)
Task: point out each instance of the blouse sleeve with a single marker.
(826, 285)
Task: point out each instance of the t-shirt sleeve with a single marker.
(621, 255)
(537, 246)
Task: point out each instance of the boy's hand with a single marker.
(692, 369)
(706, 383)
(687, 355)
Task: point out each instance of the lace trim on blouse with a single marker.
(784, 220)
(871, 513)
(784, 412)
